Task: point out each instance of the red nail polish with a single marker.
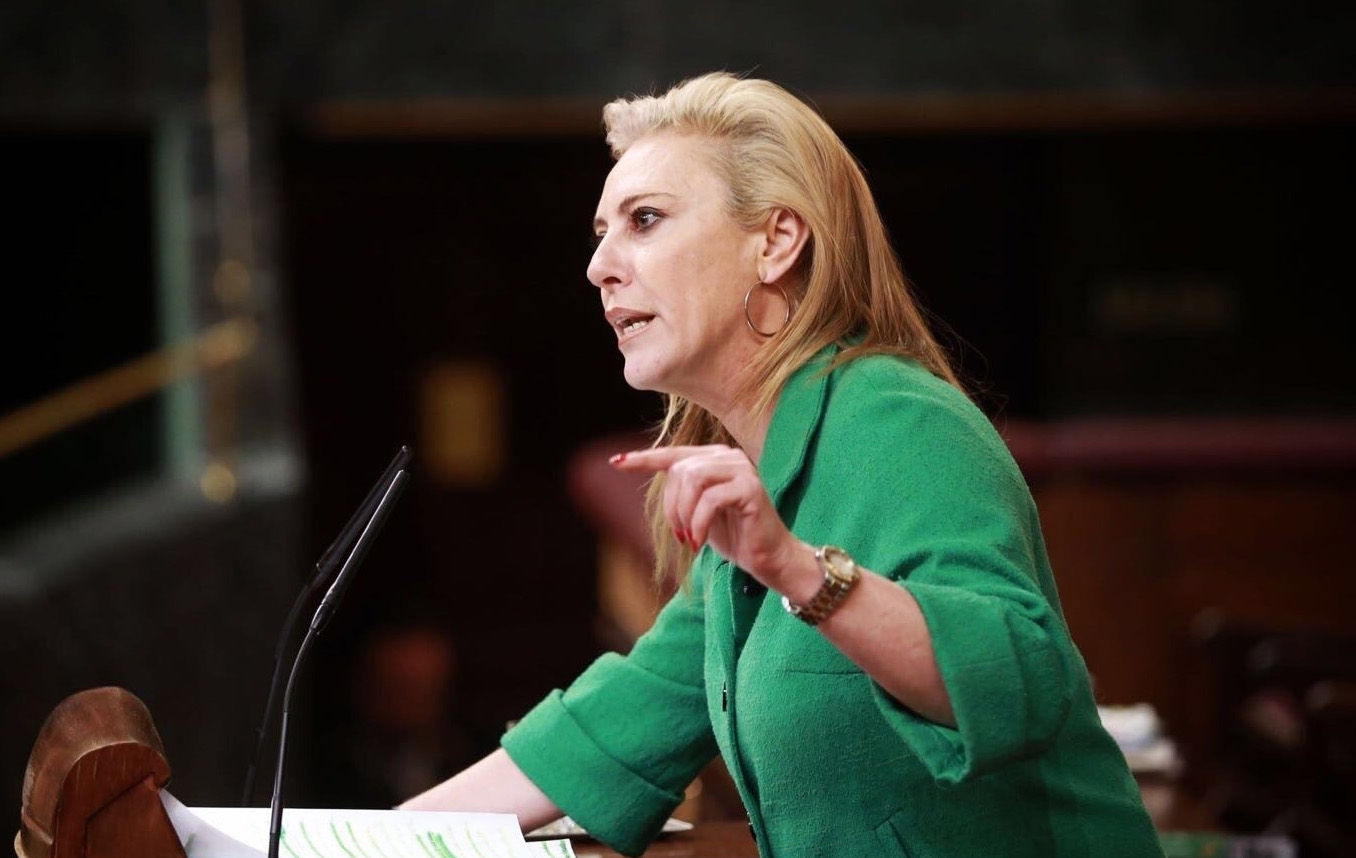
(618, 459)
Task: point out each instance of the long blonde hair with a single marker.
(774, 151)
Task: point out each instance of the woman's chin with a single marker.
(643, 375)
(638, 380)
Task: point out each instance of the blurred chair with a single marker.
(1284, 734)
(613, 503)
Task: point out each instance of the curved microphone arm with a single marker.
(318, 622)
(275, 821)
(275, 684)
(324, 568)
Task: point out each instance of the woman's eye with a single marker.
(644, 218)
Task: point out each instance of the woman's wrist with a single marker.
(799, 576)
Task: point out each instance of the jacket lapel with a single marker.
(794, 421)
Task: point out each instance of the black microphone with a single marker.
(322, 616)
(324, 568)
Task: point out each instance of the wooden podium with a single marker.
(92, 787)
(92, 790)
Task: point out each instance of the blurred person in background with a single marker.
(401, 736)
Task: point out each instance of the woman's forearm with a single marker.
(881, 628)
(493, 785)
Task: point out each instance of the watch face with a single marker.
(838, 564)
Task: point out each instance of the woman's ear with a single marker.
(785, 235)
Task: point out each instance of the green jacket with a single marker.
(899, 468)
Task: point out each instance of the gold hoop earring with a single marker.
(786, 299)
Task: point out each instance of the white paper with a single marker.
(551, 848)
(235, 832)
(201, 840)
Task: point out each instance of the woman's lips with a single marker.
(628, 323)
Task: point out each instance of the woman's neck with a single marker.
(749, 430)
(727, 399)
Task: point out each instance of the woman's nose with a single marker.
(605, 268)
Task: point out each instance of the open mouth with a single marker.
(628, 325)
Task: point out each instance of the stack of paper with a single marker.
(236, 832)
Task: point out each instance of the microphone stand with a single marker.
(322, 616)
(324, 568)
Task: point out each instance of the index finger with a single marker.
(653, 459)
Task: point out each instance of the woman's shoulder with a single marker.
(882, 396)
(900, 380)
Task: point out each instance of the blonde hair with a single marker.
(774, 151)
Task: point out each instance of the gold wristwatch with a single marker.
(840, 576)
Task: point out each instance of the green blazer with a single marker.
(899, 468)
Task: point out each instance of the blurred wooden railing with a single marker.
(218, 346)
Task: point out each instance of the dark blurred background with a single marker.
(252, 248)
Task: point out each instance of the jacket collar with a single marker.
(794, 421)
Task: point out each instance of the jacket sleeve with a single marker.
(617, 749)
(947, 515)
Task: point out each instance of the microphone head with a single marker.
(334, 555)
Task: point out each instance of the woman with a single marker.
(869, 633)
